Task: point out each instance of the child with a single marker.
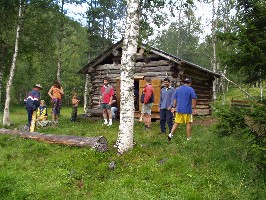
(42, 111)
(75, 104)
(42, 114)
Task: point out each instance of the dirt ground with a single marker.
(204, 121)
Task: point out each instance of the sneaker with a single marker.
(109, 124)
(170, 136)
(189, 138)
(105, 123)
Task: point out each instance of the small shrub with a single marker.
(249, 123)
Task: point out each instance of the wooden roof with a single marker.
(89, 67)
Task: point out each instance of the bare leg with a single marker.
(105, 116)
(149, 120)
(145, 119)
(174, 127)
(53, 117)
(109, 113)
(189, 130)
(104, 113)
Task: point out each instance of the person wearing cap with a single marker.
(32, 102)
(56, 92)
(184, 100)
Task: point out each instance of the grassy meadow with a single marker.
(207, 167)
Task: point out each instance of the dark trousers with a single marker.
(74, 113)
(29, 111)
(166, 116)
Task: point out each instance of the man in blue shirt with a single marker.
(165, 105)
(184, 99)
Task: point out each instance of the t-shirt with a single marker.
(56, 93)
(184, 96)
(107, 92)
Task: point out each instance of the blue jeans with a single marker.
(113, 111)
(166, 116)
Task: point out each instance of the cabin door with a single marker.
(138, 88)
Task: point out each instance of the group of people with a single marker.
(175, 105)
(37, 110)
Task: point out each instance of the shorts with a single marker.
(105, 106)
(146, 108)
(56, 106)
(183, 118)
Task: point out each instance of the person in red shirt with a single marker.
(147, 99)
(106, 98)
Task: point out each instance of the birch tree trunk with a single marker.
(85, 106)
(214, 40)
(125, 136)
(6, 119)
(60, 39)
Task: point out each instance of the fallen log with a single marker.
(99, 143)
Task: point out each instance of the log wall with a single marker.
(202, 81)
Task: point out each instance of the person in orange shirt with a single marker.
(56, 92)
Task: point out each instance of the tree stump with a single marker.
(99, 143)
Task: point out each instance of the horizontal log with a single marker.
(107, 67)
(193, 71)
(151, 74)
(99, 143)
(154, 69)
(152, 63)
(95, 112)
(109, 71)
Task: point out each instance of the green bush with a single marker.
(249, 123)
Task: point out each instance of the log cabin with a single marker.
(150, 62)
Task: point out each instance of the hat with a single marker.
(38, 85)
(187, 80)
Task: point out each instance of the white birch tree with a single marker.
(214, 43)
(6, 118)
(125, 137)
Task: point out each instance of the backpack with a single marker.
(151, 100)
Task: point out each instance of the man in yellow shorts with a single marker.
(184, 100)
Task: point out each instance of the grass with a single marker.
(207, 167)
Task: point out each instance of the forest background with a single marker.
(52, 45)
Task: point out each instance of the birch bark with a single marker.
(214, 40)
(125, 135)
(6, 118)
